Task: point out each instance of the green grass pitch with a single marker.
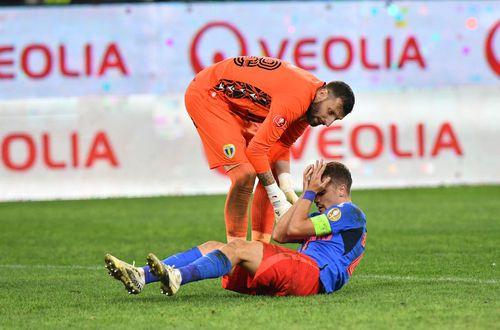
(431, 261)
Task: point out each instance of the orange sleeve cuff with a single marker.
(279, 152)
(257, 156)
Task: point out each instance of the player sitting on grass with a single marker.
(333, 241)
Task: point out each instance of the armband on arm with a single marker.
(321, 225)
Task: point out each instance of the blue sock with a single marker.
(178, 260)
(212, 265)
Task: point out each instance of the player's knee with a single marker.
(243, 176)
(237, 245)
(244, 248)
(210, 246)
(245, 180)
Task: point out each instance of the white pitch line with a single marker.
(70, 267)
(393, 278)
(396, 278)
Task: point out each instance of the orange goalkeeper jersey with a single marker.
(264, 90)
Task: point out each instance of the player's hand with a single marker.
(316, 183)
(286, 185)
(280, 211)
(306, 176)
(291, 196)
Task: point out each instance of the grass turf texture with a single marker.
(429, 263)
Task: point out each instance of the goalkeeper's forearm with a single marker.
(266, 178)
(276, 196)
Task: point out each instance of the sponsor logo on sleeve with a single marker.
(279, 121)
(334, 214)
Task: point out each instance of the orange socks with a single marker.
(262, 215)
(236, 209)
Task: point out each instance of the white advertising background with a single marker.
(94, 108)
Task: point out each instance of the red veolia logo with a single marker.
(219, 55)
(333, 52)
(490, 49)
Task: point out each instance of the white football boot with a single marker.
(170, 277)
(132, 277)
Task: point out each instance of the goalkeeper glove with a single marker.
(286, 184)
(278, 200)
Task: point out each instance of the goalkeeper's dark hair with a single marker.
(342, 90)
(339, 174)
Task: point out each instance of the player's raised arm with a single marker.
(280, 157)
(296, 224)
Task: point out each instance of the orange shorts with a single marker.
(283, 272)
(224, 134)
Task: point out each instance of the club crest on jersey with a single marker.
(334, 214)
(229, 150)
(279, 121)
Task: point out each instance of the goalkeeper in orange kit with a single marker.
(248, 112)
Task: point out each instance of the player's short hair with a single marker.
(342, 90)
(339, 174)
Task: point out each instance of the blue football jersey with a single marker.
(338, 245)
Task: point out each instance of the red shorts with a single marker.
(283, 272)
(225, 135)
